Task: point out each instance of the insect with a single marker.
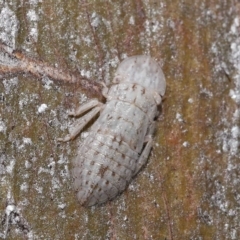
(120, 140)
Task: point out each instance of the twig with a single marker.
(21, 63)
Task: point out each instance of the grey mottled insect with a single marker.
(120, 140)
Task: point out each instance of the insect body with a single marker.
(120, 140)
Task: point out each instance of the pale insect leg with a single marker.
(83, 108)
(146, 151)
(84, 120)
(144, 156)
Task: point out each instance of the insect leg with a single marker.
(81, 123)
(144, 155)
(146, 151)
(84, 108)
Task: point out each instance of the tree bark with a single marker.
(190, 187)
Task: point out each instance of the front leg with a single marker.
(84, 108)
(84, 120)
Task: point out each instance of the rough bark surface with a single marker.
(190, 187)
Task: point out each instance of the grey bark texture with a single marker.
(190, 187)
